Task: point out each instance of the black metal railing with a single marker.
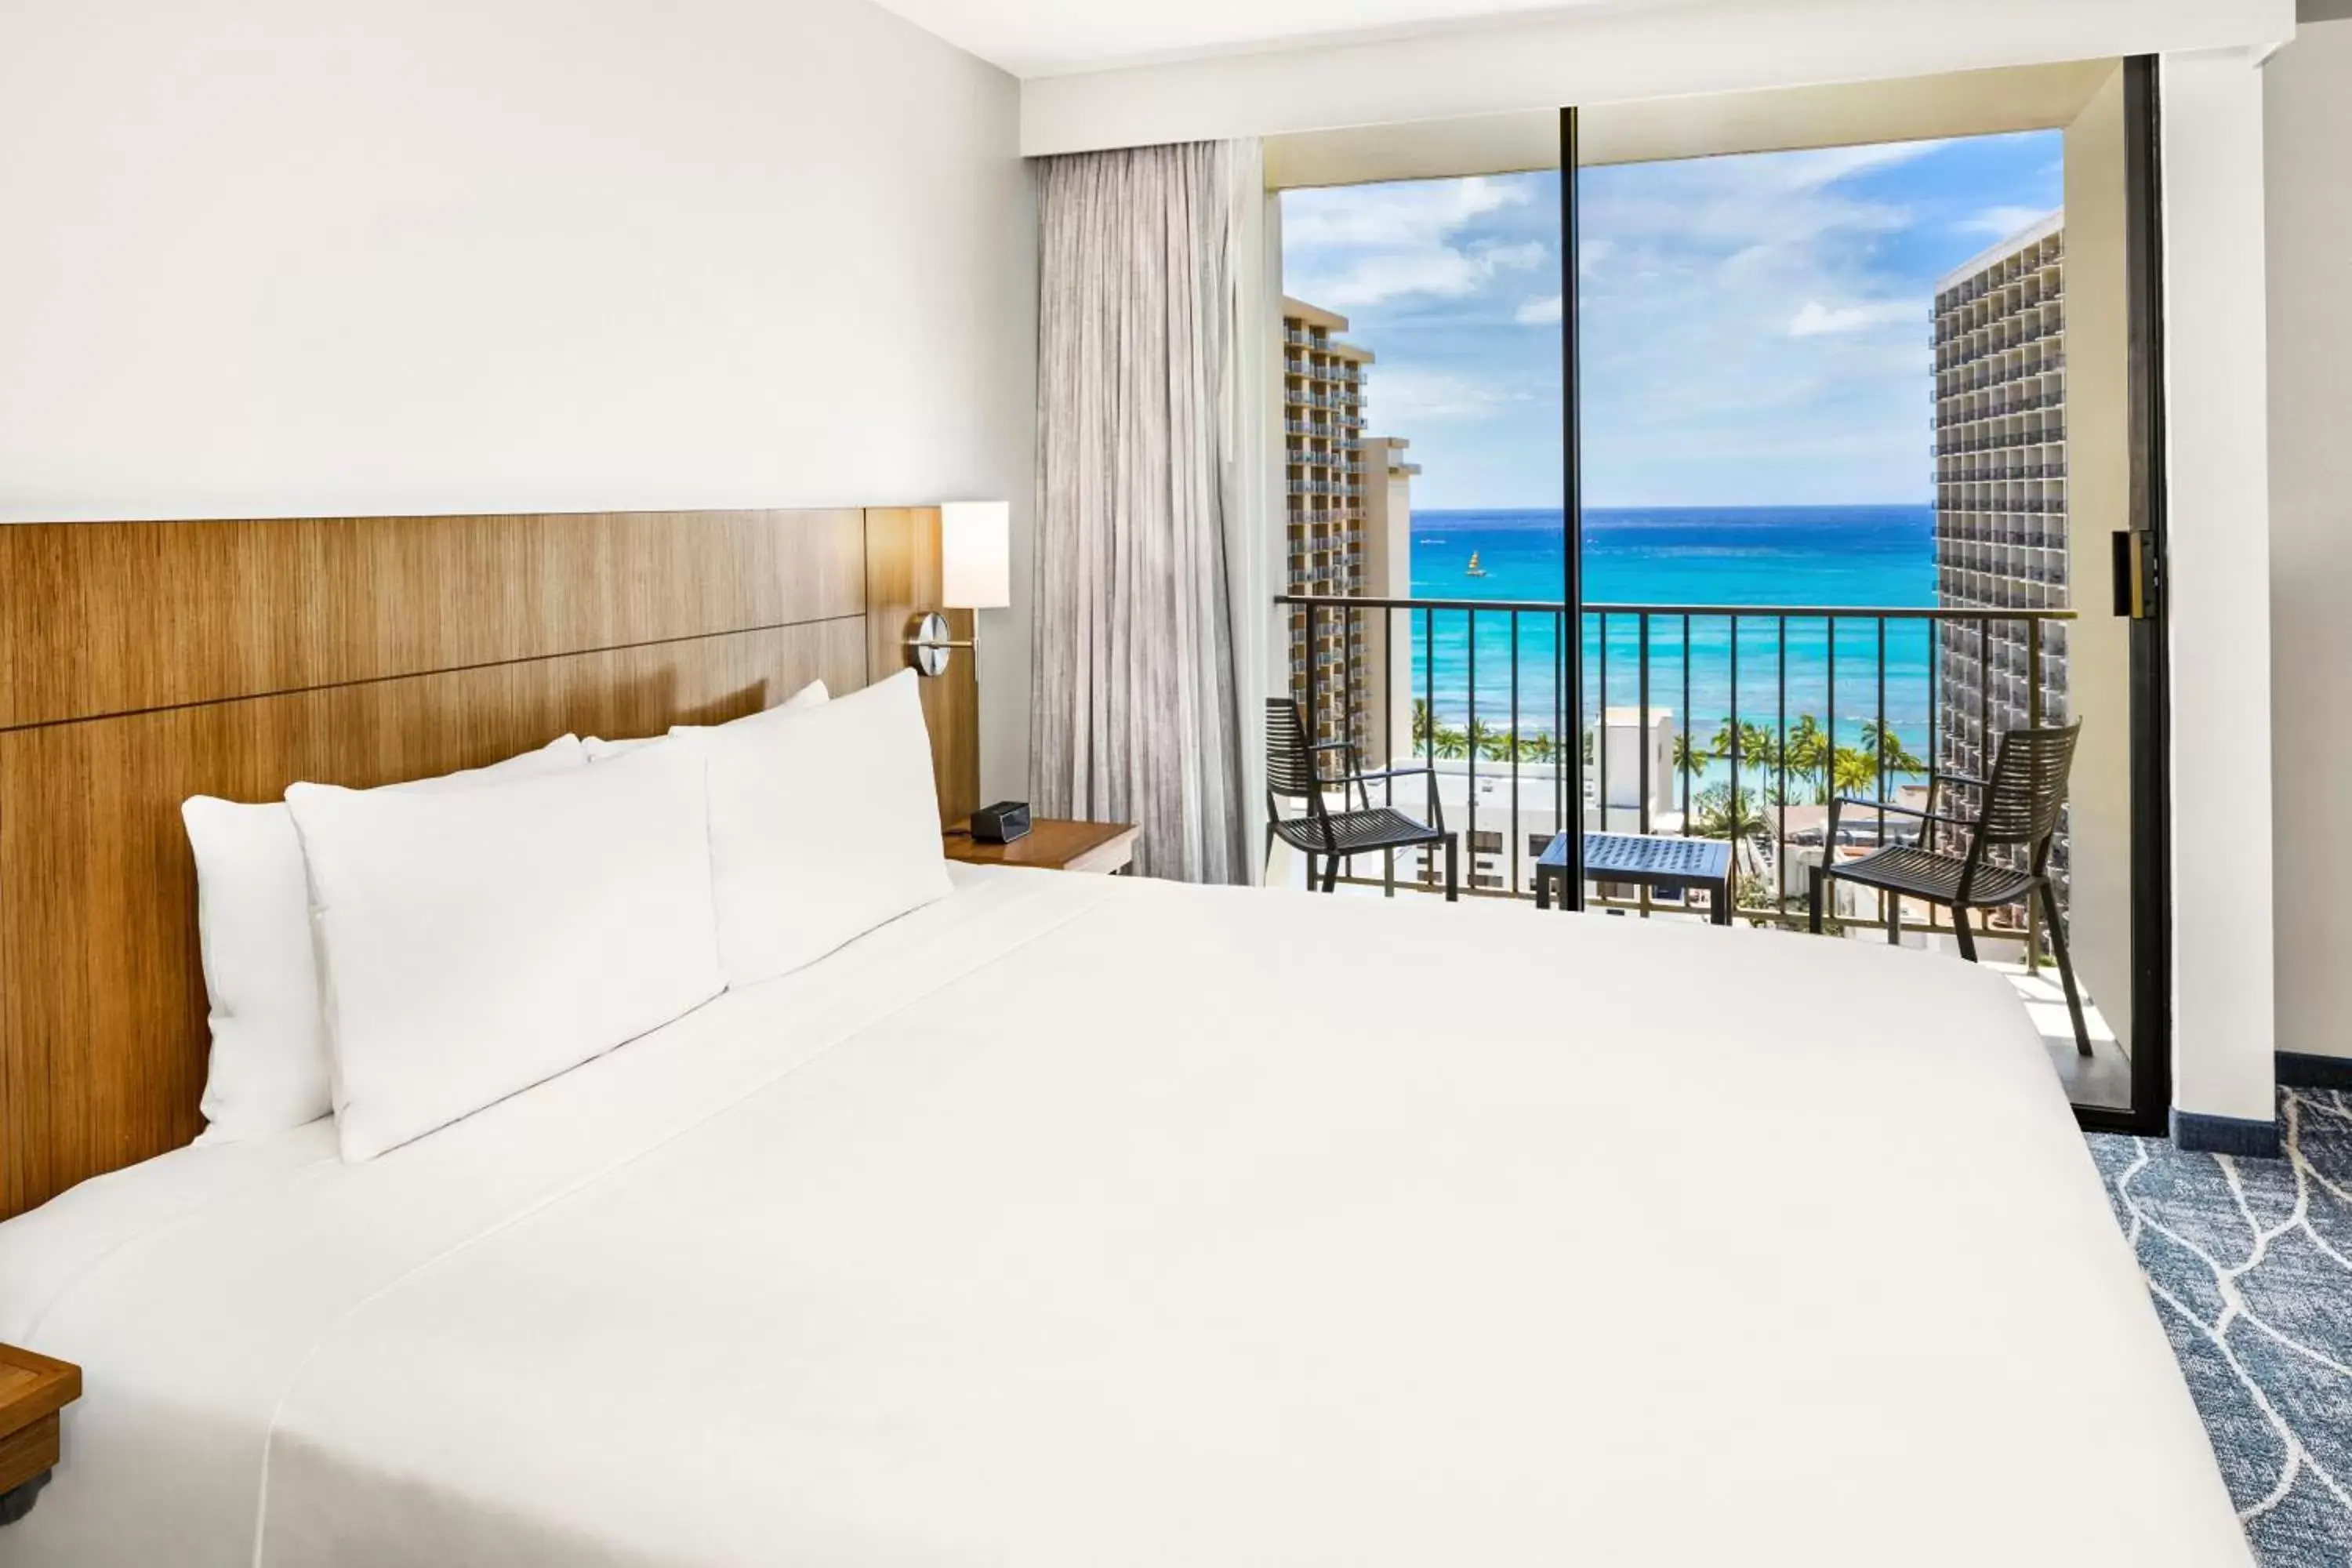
(1770, 708)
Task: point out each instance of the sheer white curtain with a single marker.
(1148, 474)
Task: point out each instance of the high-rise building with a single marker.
(1323, 425)
(2001, 489)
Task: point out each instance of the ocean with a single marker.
(1863, 556)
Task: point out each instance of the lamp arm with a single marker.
(927, 644)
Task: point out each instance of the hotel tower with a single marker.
(1324, 480)
(2001, 489)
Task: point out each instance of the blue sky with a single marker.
(1756, 327)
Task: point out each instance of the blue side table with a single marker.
(1660, 864)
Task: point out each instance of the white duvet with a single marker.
(1075, 1221)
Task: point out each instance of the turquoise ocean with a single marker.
(1863, 557)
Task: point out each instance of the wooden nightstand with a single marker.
(32, 1389)
(1106, 849)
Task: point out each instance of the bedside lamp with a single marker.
(975, 574)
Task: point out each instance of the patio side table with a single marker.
(1660, 864)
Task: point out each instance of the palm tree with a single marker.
(1884, 745)
(1446, 741)
(1719, 813)
(1755, 745)
(1537, 747)
(1420, 723)
(1854, 771)
(1690, 757)
(1807, 751)
(1482, 738)
(1500, 745)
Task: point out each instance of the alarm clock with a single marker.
(1001, 823)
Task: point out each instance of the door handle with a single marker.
(2129, 559)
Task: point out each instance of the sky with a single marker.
(1756, 327)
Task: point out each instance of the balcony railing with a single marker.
(1730, 721)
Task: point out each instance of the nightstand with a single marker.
(32, 1389)
(1106, 849)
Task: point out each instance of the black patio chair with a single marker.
(1291, 774)
(2019, 808)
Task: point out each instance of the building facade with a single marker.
(2000, 491)
(1324, 480)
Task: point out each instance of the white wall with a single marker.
(2218, 568)
(1613, 53)
(421, 256)
(2307, 104)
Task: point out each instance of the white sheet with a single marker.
(1081, 1221)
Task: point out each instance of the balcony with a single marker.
(1724, 721)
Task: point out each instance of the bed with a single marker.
(1058, 1224)
(1055, 1222)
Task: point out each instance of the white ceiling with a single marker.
(1055, 37)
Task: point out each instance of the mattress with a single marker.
(1087, 1221)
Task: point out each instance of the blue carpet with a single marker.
(2250, 1262)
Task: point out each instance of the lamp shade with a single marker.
(976, 555)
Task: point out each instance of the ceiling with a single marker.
(1772, 120)
(1057, 37)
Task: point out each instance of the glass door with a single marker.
(1859, 489)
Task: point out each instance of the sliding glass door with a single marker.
(1827, 558)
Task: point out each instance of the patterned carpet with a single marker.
(2250, 1265)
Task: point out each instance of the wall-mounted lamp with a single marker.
(975, 574)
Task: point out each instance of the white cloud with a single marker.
(1407, 213)
(1816, 319)
(1542, 311)
(1812, 170)
(1513, 257)
(2001, 222)
(1372, 278)
(1401, 397)
(1433, 267)
(1377, 243)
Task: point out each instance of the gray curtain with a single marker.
(1136, 714)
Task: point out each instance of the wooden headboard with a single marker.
(144, 662)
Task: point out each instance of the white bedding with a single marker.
(1074, 1221)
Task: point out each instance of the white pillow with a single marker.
(268, 1067)
(599, 750)
(474, 942)
(823, 824)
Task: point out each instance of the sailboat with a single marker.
(1474, 570)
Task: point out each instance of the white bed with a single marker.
(1074, 1221)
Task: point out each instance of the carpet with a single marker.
(2249, 1263)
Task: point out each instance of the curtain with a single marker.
(1141, 482)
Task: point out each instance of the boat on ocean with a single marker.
(1474, 570)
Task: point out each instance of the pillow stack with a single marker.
(475, 942)
(408, 956)
(269, 1069)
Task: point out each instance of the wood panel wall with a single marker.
(141, 663)
(902, 581)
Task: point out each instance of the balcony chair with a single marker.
(2019, 808)
(1291, 774)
